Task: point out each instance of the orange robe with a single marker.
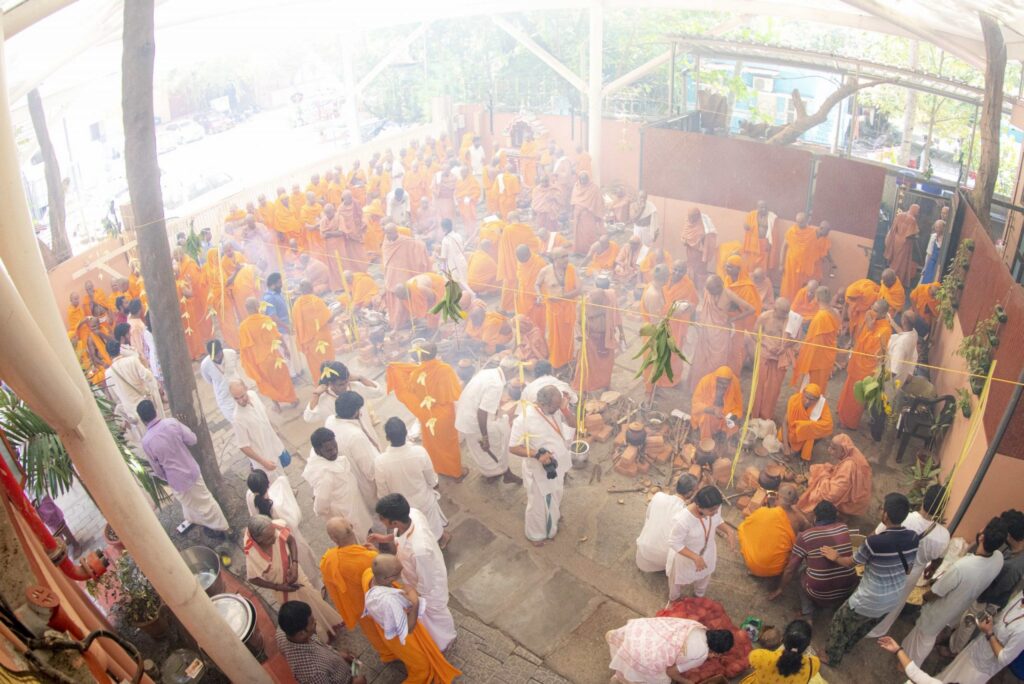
(311, 323)
(287, 224)
(755, 248)
(925, 304)
(482, 272)
(100, 297)
(508, 188)
(192, 312)
(361, 292)
(333, 194)
(561, 323)
(584, 163)
(74, 317)
(745, 289)
(429, 390)
(260, 350)
(899, 245)
(245, 286)
(135, 285)
(704, 397)
(600, 344)
(312, 239)
(802, 430)
(373, 213)
(526, 291)
(265, 215)
(818, 351)
(418, 302)
(652, 259)
(859, 296)
(487, 179)
(467, 196)
(85, 337)
(513, 235)
(401, 259)
(494, 331)
(218, 300)
(681, 290)
(528, 158)
(895, 295)
(424, 663)
(546, 203)
(766, 539)
(846, 484)
(604, 261)
(234, 216)
(863, 362)
(587, 206)
(801, 255)
(822, 246)
(342, 569)
(353, 239)
(357, 186)
(804, 303)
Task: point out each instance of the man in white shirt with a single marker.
(397, 206)
(645, 222)
(478, 419)
(542, 378)
(355, 444)
(955, 590)
(254, 432)
(1000, 642)
(453, 256)
(406, 469)
(422, 564)
(931, 547)
(333, 480)
(219, 368)
(652, 544)
(476, 157)
(540, 436)
(131, 381)
(902, 350)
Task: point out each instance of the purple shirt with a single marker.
(166, 445)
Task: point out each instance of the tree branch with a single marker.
(804, 122)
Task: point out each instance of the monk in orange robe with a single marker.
(353, 253)
(778, 351)
(654, 257)
(342, 568)
(217, 301)
(767, 535)
(260, 348)
(528, 267)
(823, 252)
(584, 162)
(726, 250)
(529, 153)
(136, 285)
(357, 183)
(805, 303)
(373, 213)
(402, 257)
(360, 290)
(807, 418)
(891, 290)
(490, 234)
(845, 482)
(924, 302)
(488, 180)
(601, 343)
(75, 315)
(286, 223)
(546, 203)
(265, 212)
(588, 212)
(187, 304)
(95, 295)
(601, 256)
(508, 188)
(557, 284)
(334, 189)
(717, 400)
(420, 293)
(482, 273)
(193, 297)
(311, 322)
(512, 235)
(234, 215)
(798, 256)
(864, 359)
(817, 357)
(858, 298)
(531, 345)
(741, 286)
(296, 199)
(334, 245)
(899, 244)
(757, 241)
(467, 196)
(490, 328)
(764, 286)
(424, 663)
(244, 284)
(309, 216)
(681, 292)
(429, 388)
(715, 314)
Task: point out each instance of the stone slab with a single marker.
(543, 615)
(502, 581)
(469, 543)
(584, 651)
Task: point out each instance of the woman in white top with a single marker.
(277, 502)
(693, 553)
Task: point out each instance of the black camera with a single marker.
(551, 467)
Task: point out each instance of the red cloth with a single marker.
(712, 615)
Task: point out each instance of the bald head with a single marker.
(237, 389)
(801, 219)
(881, 308)
(340, 531)
(714, 284)
(757, 275)
(305, 287)
(888, 277)
(781, 307)
(523, 253)
(386, 568)
(660, 275)
(823, 294)
(252, 305)
(693, 216)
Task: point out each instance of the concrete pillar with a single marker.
(89, 441)
(351, 90)
(596, 63)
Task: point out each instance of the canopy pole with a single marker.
(596, 65)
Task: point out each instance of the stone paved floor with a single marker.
(527, 614)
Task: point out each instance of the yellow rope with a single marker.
(582, 366)
(750, 406)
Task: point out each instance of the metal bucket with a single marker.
(580, 452)
(205, 564)
(240, 614)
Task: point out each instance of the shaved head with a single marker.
(340, 531)
(386, 567)
(252, 305)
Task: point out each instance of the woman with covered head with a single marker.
(845, 482)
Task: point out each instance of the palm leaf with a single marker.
(47, 465)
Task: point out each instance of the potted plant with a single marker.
(979, 348)
(870, 393)
(133, 600)
(963, 402)
(952, 285)
(919, 477)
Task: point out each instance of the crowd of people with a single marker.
(550, 268)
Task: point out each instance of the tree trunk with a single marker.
(54, 183)
(991, 118)
(805, 122)
(143, 175)
(909, 112)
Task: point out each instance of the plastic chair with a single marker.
(925, 419)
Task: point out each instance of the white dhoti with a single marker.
(543, 504)
(296, 361)
(200, 508)
(497, 435)
(438, 621)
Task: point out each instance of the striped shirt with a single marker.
(824, 581)
(887, 559)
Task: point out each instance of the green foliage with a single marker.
(450, 306)
(193, 244)
(870, 391)
(978, 348)
(47, 465)
(918, 477)
(135, 601)
(948, 294)
(963, 402)
(659, 349)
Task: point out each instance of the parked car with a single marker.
(185, 131)
(215, 122)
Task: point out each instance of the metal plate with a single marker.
(238, 612)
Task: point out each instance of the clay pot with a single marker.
(705, 452)
(635, 434)
(720, 471)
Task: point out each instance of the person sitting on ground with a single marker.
(717, 404)
(808, 418)
(661, 649)
(767, 535)
(846, 482)
(786, 665)
(311, 660)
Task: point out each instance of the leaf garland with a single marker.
(450, 306)
(659, 349)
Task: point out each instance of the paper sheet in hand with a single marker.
(794, 324)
